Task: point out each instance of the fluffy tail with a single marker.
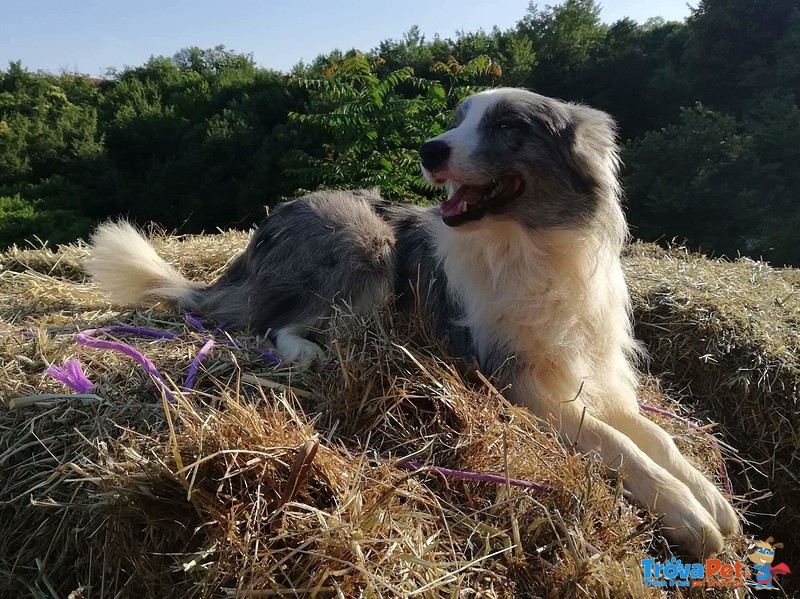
(128, 269)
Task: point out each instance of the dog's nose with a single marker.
(433, 154)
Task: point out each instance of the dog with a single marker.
(521, 262)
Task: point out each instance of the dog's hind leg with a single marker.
(656, 443)
(294, 347)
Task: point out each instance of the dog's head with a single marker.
(515, 154)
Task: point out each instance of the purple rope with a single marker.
(87, 338)
(723, 470)
(261, 352)
(195, 365)
(195, 323)
(220, 330)
(477, 476)
(72, 375)
(192, 320)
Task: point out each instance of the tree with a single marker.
(564, 37)
(704, 180)
(369, 127)
(732, 50)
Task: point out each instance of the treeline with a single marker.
(707, 108)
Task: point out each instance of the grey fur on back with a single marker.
(308, 254)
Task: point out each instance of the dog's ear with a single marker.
(593, 149)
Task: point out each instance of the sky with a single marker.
(89, 36)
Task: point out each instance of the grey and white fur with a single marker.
(521, 261)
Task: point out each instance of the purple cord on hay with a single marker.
(477, 476)
(87, 338)
(72, 375)
(723, 470)
(192, 320)
(195, 365)
(220, 330)
(261, 352)
(195, 323)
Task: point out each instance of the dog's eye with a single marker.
(510, 125)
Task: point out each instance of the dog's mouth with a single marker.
(472, 202)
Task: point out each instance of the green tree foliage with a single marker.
(370, 126)
(705, 189)
(707, 110)
(50, 148)
(734, 46)
(188, 134)
(564, 37)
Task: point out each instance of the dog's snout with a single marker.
(433, 154)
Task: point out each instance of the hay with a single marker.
(244, 488)
(726, 334)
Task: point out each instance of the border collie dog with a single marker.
(520, 264)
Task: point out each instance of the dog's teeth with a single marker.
(462, 207)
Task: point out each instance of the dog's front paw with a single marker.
(687, 524)
(715, 503)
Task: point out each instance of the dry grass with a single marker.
(239, 490)
(726, 334)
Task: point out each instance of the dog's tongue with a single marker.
(471, 194)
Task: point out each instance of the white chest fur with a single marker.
(493, 272)
(556, 300)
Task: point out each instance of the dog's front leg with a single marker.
(685, 521)
(657, 444)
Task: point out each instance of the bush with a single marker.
(22, 220)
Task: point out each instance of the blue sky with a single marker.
(89, 36)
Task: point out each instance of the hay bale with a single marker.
(241, 490)
(726, 334)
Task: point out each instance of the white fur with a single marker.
(294, 347)
(462, 140)
(129, 270)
